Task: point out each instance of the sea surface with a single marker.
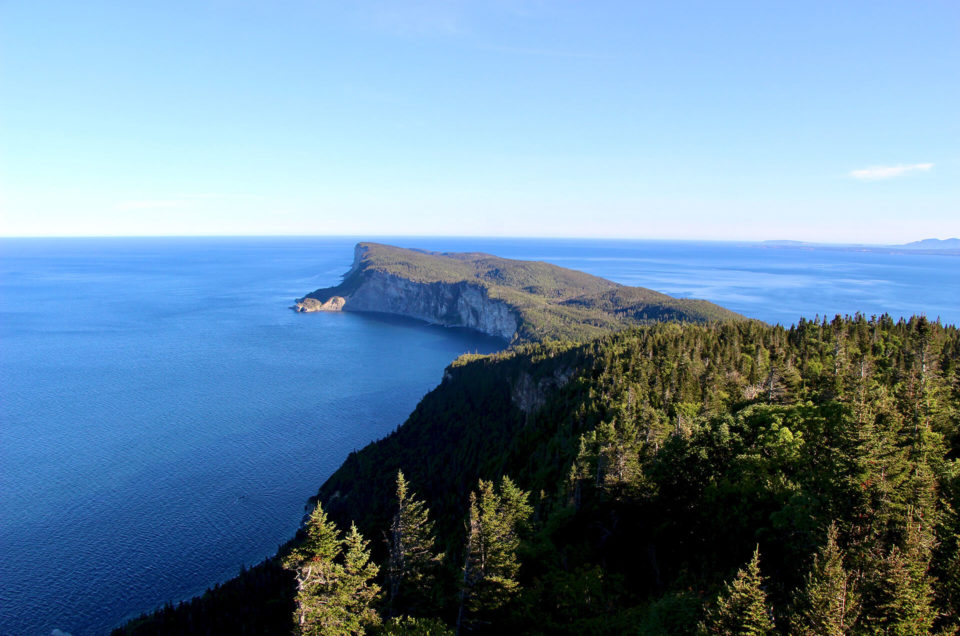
(164, 415)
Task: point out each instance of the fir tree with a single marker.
(946, 555)
(412, 560)
(490, 567)
(828, 604)
(356, 590)
(334, 590)
(317, 573)
(901, 599)
(742, 608)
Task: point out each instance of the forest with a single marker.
(732, 478)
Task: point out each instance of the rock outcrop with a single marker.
(334, 303)
(459, 304)
(529, 394)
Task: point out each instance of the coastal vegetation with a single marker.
(545, 302)
(672, 478)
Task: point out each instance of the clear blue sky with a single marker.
(827, 121)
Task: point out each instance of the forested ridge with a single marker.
(676, 478)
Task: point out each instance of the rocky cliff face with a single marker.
(529, 395)
(447, 304)
(335, 303)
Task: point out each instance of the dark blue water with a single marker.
(164, 415)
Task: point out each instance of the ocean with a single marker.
(164, 415)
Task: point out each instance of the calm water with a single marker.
(164, 415)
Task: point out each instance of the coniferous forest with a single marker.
(672, 479)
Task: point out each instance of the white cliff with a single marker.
(449, 304)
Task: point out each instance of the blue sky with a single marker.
(824, 121)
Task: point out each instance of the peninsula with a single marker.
(519, 301)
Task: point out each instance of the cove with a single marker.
(164, 415)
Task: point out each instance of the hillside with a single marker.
(520, 301)
(657, 460)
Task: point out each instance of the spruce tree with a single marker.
(946, 556)
(742, 608)
(317, 574)
(901, 600)
(357, 590)
(828, 603)
(334, 590)
(412, 561)
(494, 524)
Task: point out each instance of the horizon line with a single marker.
(779, 242)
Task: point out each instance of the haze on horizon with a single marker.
(817, 121)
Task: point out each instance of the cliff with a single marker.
(519, 301)
(367, 288)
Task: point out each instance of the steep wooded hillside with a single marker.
(661, 462)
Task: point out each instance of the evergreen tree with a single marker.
(742, 608)
(317, 574)
(334, 592)
(356, 590)
(901, 600)
(408, 626)
(490, 567)
(828, 604)
(946, 556)
(412, 561)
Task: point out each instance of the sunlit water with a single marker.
(164, 415)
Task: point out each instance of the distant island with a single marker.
(930, 245)
(934, 244)
(519, 301)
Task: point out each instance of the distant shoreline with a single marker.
(952, 247)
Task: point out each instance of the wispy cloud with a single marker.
(888, 172)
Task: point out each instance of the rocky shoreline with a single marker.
(447, 304)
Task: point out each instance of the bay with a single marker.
(164, 415)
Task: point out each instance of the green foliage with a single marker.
(677, 614)
(334, 589)
(828, 603)
(609, 457)
(408, 626)
(494, 525)
(945, 562)
(412, 562)
(357, 592)
(321, 547)
(900, 592)
(742, 608)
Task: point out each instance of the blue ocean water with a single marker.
(164, 415)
